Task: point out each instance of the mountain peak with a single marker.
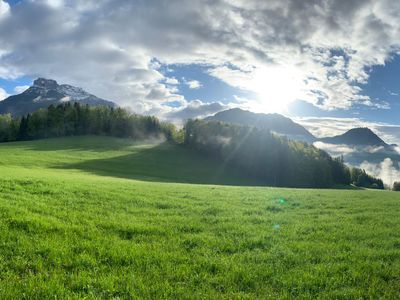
(274, 122)
(357, 136)
(45, 92)
(364, 130)
(45, 83)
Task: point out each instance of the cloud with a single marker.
(335, 150)
(318, 51)
(171, 80)
(3, 94)
(4, 9)
(163, 93)
(376, 161)
(193, 84)
(20, 89)
(355, 154)
(54, 3)
(194, 109)
(386, 170)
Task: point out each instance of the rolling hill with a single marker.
(100, 217)
(45, 92)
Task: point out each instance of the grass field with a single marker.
(105, 217)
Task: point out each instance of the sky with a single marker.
(328, 64)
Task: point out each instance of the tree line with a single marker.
(361, 179)
(71, 119)
(276, 160)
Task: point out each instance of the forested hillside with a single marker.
(258, 153)
(275, 159)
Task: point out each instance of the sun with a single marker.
(276, 87)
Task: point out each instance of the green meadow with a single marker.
(101, 218)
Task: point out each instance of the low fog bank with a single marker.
(377, 161)
(387, 170)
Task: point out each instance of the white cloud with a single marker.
(192, 110)
(193, 84)
(335, 150)
(353, 153)
(163, 93)
(3, 94)
(318, 51)
(54, 3)
(171, 80)
(20, 89)
(4, 9)
(376, 161)
(386, 170)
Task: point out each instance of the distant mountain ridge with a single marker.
(274, 122)
(45, 92)
(285, 126)
(356, 136)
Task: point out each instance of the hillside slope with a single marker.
(106, 156)
(74, 224)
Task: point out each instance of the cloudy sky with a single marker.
(314, 60)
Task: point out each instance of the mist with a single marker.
(386, 170)
(375, 160)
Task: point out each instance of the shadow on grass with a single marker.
(85, 143)
(165, 163)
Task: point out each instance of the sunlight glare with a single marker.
(276, 88)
